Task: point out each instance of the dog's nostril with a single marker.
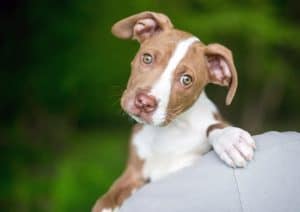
(145, 102)
(149, 108)
(139, 102)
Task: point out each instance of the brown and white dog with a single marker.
(177, 123)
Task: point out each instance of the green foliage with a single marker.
(71, 181)
(83, 174)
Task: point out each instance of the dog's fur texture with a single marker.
(177, 123)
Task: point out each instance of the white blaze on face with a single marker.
(162, 88)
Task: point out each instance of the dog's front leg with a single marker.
(125, 185)
(119, 191)
(234, 145)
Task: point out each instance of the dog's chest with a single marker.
(166, 150)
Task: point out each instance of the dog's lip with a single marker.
(141, 117)
(145, 120)
(137, 114)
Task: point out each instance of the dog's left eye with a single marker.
(147, 58)
(186, 80)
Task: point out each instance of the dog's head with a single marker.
(170, 69)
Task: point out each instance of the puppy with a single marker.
(176, 121)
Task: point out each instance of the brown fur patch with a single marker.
(217, 50)
(183, 97)
(124, 28)
(131, 179)
(215, 126)
(218, 116)
(222, 124)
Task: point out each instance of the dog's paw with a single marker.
(110, 210)
(105, 204)
(235, 146)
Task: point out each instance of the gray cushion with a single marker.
(269, 183)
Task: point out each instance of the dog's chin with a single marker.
(149, 121)
(139, 119)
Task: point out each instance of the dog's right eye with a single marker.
(147, 58)
(186, 80)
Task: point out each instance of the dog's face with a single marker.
(170, 69)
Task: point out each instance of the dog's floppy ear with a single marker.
(141, 26)
(221, 69)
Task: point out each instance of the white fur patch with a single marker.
(234, 145)
(177, 145)
(162, 89)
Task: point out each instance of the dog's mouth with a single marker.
(145, 118)
(141, 118)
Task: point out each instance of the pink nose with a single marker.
(145, 103)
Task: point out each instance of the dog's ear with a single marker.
(141, 26)
(221, 69)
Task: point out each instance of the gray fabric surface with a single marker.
(269, 183)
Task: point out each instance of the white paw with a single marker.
(110, 209)
(234, 145)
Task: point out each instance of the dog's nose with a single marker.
(145, 102)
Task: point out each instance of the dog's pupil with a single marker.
(147, 58)
(186, 79)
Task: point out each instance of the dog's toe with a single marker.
(237, 158)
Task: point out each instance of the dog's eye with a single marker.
(147, 58)
(186, 80)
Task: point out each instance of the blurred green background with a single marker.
(63, 135)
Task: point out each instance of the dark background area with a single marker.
(63, 136)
